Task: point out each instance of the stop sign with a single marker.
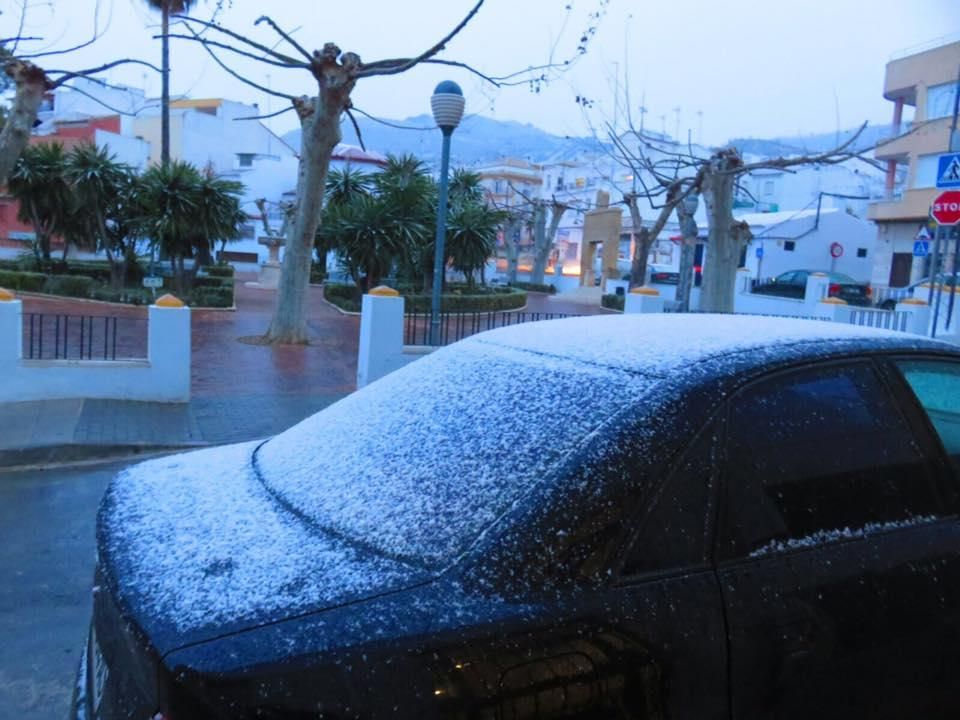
(946, 208)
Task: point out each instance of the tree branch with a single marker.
(236, 36)
(70, 75)
(238, 51)
(395, 66)
(268, 115)
(293, 43)
(356, 129)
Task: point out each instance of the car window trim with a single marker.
(717, 419)
(870, 359)
(917, 416)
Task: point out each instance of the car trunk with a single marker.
(193, 547)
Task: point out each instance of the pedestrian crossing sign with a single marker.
(948, 171)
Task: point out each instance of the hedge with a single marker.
(219, 271)
(535, 287)
(25, 281)
(613, 302)
(318, 273)
(346, 297)
(70, 285)
(129, 296)
(214, 297)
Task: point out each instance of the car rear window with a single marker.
(418, 464)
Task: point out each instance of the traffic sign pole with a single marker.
(953, 283)
(934, 275)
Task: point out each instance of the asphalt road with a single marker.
(46, 567)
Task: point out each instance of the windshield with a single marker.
(417, 465)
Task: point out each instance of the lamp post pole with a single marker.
(438, 254)
(447, 105)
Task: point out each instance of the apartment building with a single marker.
(926, 82)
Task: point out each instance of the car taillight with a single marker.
(869, 291)
(833, 290)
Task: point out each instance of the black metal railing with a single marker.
(83, 337)
(456, 326)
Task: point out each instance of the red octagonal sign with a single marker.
(946, 208)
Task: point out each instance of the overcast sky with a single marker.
(752, 67)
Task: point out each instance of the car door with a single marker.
(837, 521)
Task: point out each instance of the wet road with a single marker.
(46, 566)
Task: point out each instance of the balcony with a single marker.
(911, 205)
(921, 139)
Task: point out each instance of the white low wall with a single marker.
(164, 376)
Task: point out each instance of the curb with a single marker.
(76, 453)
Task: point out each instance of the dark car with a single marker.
(793, 284)
(644, 516)
(920, 289)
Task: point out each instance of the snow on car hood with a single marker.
(194, 541)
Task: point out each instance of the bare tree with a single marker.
(336, 73)
(32, 82)
(682, 172)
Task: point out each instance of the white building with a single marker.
(803, 240)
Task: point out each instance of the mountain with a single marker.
(478, 140)
(803, 144)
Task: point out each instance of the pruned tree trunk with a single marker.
(726, 238)
(645, 237)
(320, 123)
(321, 133)
(544, 237)
(31, 83)
(688, 250)
(513, 249)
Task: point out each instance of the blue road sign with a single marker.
(921, 248)
(948, 171)
(759, 253)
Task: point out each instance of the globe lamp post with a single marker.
(447, 104)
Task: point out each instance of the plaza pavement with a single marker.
(240, 390)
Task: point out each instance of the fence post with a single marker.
(11, 331)
(918, 315)
(169, 346)
(744, 278)
(643, 300)
(381, 335)
(834, 309)
(816, 290)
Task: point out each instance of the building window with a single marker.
(768, 187)
(244, 160)
(498, 186)
(940, 100)
(861, 252)
(560, 183)
(789, 245)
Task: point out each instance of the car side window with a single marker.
(787, 278)
(817, 454)
(936, 384)
(672, 532)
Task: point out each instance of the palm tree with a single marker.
(219, 215)
(103, 187)
(166, 7)
(44, 196)
(471, 237)
(168, 204)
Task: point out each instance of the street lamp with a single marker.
(447, 105)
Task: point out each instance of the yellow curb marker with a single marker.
(6, 295)
(384, 291)
(644, 291)
(169, 301)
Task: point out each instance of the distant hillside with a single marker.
(478, 140)
(821, 142)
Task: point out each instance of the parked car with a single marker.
(890, 303)
(664, 275)
(643, 516)
(793, 284)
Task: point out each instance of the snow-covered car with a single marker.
(685, 516)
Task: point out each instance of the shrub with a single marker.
(78, 286)
(211, 282)
(130, 296)
(612, 302)
(215, 297)
(535, 287)
(219, 271)
(25, 281)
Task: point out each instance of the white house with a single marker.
(828, 240)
